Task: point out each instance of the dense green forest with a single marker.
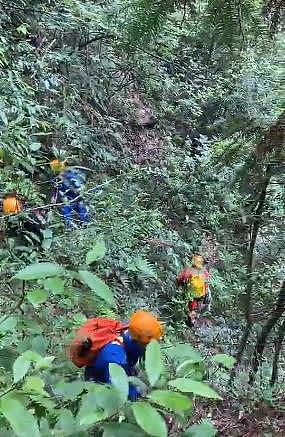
(176, 111)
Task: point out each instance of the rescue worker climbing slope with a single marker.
(195, 282)
(29, 226)
(69, 183)
(100, 342)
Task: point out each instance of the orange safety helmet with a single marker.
(57, 166)
(197, 261)
(144, 327)
(12, 205)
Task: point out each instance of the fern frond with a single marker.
(230, 20)
(147, 18)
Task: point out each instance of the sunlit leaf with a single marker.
(224, 359)
(119, 380)
(98, 286)
(39, 271)
(198, 388)
(21, 367)
(172, 400)
(35, 146)
(21, 420)
(185, 351)
(44, 363)
(70, 390)
(153, 362)
(66, 423)
(98, 252)
(90, 412)
(149, 419)
(204, 429)
(35, 384)
(122, 430)
(22, 29)
(37, 297)
(55, 285)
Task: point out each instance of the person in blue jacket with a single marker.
(69, 183)
(126, 350)
(126, 355)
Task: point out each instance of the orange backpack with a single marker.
(100, 331)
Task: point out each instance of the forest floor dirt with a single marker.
(235, 416)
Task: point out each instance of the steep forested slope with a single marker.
(176, 109)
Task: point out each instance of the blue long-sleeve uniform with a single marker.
(69, 186)
(125, 355)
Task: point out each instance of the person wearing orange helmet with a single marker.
(195, 280)
(69, 183)
(101, 342)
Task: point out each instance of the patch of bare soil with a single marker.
(144, 140)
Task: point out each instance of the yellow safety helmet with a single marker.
(198, 261)
(57, 166)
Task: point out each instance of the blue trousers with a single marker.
(80, 209)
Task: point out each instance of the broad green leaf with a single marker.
(55, 285)
(35, 384)
(171, 400)
(98, 286)
(119, 380)
(89, 412)
(70, 390)
(40, 344)
(32, 356)
(37, 297)
(98, 252)
(224, 359)
(39, 271)
(44, 401)
(66, 423)
(198, 388)
(153, 362)
(21, 420)
(106, 397)
(8, 324)
(44, 363)
(204, 429)
(92, 418)
(191, 370)
(149, 419)
(185, 351)
(122, 430)
(35, 146)
(21, 367)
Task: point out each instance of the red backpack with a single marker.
(100, 332)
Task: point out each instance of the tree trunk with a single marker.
(271, 322)
(247, 301)
(278, 346)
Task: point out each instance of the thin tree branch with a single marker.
(278, 346)
(96, 38)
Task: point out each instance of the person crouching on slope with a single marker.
(195, 282)
(100, 342)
